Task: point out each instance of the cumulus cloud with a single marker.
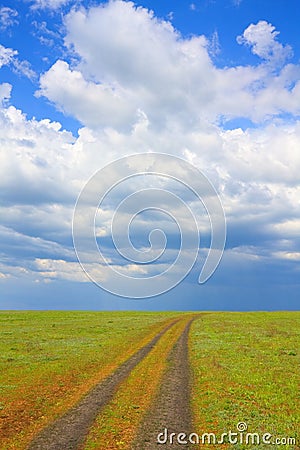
(130, 62)
(34, 158)
(137, 85)
(258, 184)
(258, 154)
(37, 194)
(102, 106)
(142, 60)
(262, 39)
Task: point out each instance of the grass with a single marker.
(246, 369)
(48, 360)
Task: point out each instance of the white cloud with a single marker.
(259, 184)
(61, 269)
(49, 4)
(144, 59)
(3, 276)
(170, 15)
(103, 105)
(137, 85)
(5, 91)
(8, 56)
(23, 68)
(214, 44)
(8, 17)
(130, 62)
(45, 35)
(288, 228)
(290, 256)
(33, 158)
(268, 154)
(262, 38)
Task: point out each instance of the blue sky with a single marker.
(216, 82)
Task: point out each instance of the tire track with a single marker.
(68, 432)
(171, 407)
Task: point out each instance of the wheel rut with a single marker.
(68, 432)
(171, 408)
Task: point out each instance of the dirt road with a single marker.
(170, 409)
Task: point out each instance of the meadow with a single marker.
(244, 368)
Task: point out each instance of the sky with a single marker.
(213, 82)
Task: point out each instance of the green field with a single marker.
(245, 367)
